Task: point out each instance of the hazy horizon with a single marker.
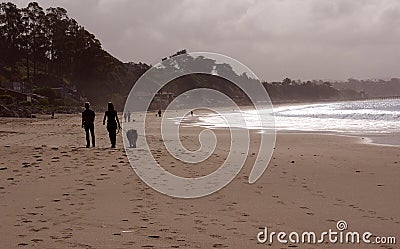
(310, 39)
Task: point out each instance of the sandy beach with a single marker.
(55, 193)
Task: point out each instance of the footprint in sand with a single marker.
(219, 245)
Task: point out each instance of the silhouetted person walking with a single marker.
(112, 123)
(88, 123)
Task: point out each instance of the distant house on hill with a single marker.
(159, 101)
(20, 96)
(15, 86)
(162, 100)
(64, 92)
(164, 96)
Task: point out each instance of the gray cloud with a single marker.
(307, 39)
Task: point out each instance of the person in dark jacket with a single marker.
(88, 124)
(112, 123)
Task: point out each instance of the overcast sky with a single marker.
(300, 39)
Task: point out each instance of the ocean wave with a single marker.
(374, 116)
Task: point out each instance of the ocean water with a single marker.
(352, 117)
(370, 117)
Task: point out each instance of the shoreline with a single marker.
(391, 138)
(386, 139)
(379, 139)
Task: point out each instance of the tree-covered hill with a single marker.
(48, 49)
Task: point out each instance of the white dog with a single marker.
(132, 136)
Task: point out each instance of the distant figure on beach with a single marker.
(159, 113)
(125, 116)
(191, 113)
(112, 123)
(129, 116)
(52, 114)
(132, 136)
(88, 123)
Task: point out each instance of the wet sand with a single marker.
(55, 193)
